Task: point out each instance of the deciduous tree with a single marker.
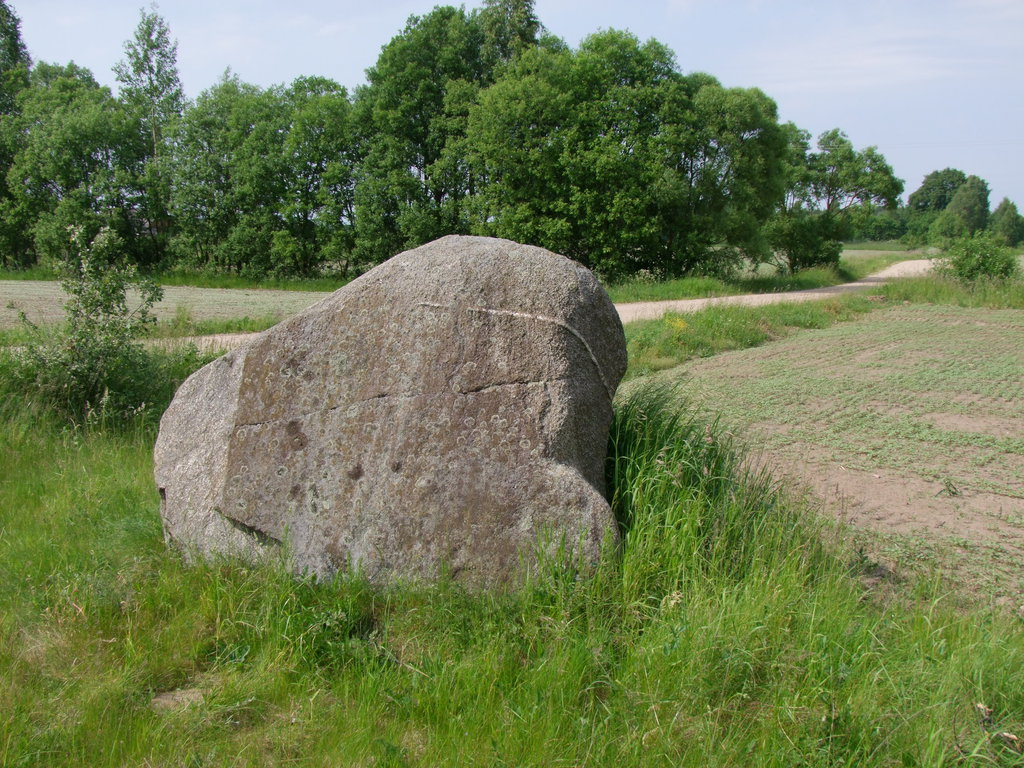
(72, 141)
(937, 190)
(151, 92)
(825, 187)
(967, 212)
(1006, 223)
(610, 155)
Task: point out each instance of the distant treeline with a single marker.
(472, 122)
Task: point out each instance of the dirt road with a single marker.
(649, 310)
(41, 301)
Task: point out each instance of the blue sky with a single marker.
(931, 83)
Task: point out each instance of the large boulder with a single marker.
(447, 410)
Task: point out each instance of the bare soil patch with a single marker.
(907, 425)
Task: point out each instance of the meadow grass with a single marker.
(184, 323)
(29, 273)
(656, 345)
(723, 630)
(875, 245)
(729, 627)
(936, 289)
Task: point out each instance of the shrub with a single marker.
(94, 362)
(978, 256)
(802, 240)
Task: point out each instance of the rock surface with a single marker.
(447, 410)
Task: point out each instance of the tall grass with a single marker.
(935, 289)
(656, 345)
(721, 631)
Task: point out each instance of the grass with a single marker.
(204, 280)
(994, 294)
(656, 345)
(875, 245)
(729, 628)
(184, 324)
(855, 265)
(30, 273)
(722, 632)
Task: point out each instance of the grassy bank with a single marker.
(993, 294)
(723, 631)
(656, 345)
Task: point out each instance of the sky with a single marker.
(931, 83)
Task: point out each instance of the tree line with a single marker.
(471, 122)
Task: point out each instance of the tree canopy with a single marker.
(471, 121)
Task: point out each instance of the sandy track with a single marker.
(649, 310)
(41, 301)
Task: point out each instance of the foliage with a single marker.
(14, 60)
(151, 92)
(472, 121)
(1006, 224)
(611, 156)
(936, 191)
(966, 214)
(978, 256)
(656, 345)
(942, 289)
(413, 182)
(824, 189)
(71, 141)
(509, 28)
(95, 363)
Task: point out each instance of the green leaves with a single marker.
(824, 191)
(95, 363)
(611, 156)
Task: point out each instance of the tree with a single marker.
(264, 179)
(611, 156)
(230, 176)
(1006, 224)
(936, 191)
(509, 28)
(414, 183)
(318, 206)
(71, 142)
(15, 62)
(726, 152)
(825, 189)
(95, 362)
(15, 65)
(966, 214)
(151, 92)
